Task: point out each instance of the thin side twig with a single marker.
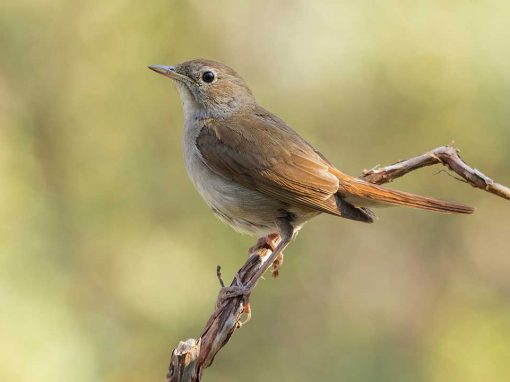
(192, 357)
(447, 156)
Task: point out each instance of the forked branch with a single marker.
(190, 358)
(446, 155)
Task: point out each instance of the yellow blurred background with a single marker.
(108, 255)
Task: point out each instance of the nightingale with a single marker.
(256, 173)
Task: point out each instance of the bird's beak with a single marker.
(169, 71)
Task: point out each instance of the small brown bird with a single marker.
(256, 173)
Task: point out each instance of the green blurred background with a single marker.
(108, 255)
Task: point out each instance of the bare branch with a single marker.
(191, 357)
(447, 156)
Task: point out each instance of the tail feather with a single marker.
(359, 189)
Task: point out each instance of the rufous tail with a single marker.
(358, 189)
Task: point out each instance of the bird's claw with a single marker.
(265, 244)
(275, 267)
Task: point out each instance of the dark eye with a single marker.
(208, 77)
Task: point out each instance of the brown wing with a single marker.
(261, 152)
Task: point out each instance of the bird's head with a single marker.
(208, 87)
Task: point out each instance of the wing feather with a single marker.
(248, 149)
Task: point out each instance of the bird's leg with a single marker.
(263, 246)
(286, 235)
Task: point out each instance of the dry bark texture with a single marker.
(446, 155)
(191, 357)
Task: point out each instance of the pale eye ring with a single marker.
(208, 76)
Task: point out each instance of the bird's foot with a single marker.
(275, 267)
(265, 244)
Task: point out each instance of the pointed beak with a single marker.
(168, 71)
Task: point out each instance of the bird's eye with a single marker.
(208, 77)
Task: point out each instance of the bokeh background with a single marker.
(108, 255)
